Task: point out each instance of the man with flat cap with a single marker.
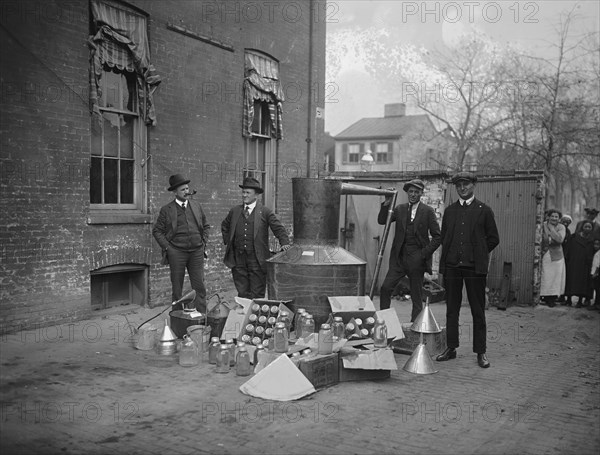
(181, 231)
(469, 234)
(246, 236)
(412, 248)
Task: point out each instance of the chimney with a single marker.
(394, 110)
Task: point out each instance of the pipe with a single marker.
(309, 132)
(386, 231)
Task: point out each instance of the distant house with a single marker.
(394, 142)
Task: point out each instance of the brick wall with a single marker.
(48, 247)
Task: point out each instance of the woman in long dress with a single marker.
(580, 252)
(553, 261)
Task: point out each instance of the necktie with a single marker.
(409, 212)
(183, 205)
(246, 212)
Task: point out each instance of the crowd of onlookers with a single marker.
(571, 260)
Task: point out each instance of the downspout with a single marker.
(309, 121)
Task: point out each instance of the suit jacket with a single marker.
(484, 235)
(165, 227)
(264, 218)
(425, 224)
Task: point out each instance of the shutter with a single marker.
(361, 151)
(344, 153)
(390, 153)
(373, 146)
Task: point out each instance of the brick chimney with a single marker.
(394, 110)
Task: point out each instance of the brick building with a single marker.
(102, 101)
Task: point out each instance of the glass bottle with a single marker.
(260, 349)
(284, 317)
(274, 310)
(271, 320)
(380, 334)
(298, 322)
(242, 361)
(188, 354)
(255, 308)
(308, 325)
(259, 330)
(280, 338)
(364, 333)
(256, 341)
(325, 340)
(231, 346)
(223, 359)
(246, 338)
(262, 319)
(350, 329)
(358, 321)
(265, 309)
(238, 347)
(249, 328)
(338, 328)
(253, 318)
(213, 349)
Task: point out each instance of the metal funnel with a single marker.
(425, 322)
(420, 362)
(167, 334)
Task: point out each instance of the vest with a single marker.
(460, 253)
(244, 233)
(188, 236)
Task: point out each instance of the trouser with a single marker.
(475, 284)
(249, 279)
(411, 264)
(193, 261)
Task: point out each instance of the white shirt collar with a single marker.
(468, 201)
(181, 203)
(250, 206)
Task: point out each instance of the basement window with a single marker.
(118, 285)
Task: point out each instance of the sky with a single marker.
(354, 94)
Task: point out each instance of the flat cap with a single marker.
(418, 183)
(469, 176)
(591, 211)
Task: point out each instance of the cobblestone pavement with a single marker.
(83, 388)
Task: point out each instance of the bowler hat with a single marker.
(591, 211)
(417, 183)
(251, 183)
(470, 177)
(175, 181)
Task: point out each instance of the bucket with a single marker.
(201, 335)
(181, 320)
(145, 339)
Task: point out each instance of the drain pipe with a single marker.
(309, 115)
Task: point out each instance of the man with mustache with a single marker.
(181, 231)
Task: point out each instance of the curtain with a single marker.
(121, 42)
(261, 83)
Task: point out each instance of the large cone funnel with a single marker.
(167, 334)
(420, 362)
(425, 322)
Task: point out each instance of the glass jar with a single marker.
(231, 347)
(308, 325)
(325, 340)
(253, 318)
(338, 328)
(284, 317)
(249, 328)
(188, 354)
(242, 361)
(223, 365)
(350, 329)
(380, 334)
(280, 338)
(239, 345)
(255, 308)
(262, 319)
(260, 349)
(213, 349)
(259, 330)
(272, 320)
(274, 310)
(265, 309)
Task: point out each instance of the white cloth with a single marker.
(554, 276)
(595, 262)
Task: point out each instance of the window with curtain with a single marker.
(122, 82)
(262, 120)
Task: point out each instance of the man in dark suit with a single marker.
(181, 231)
(590, 215)
(246, 236)
(412, 249)
(469, 234)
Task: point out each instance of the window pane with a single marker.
(111, 181)
(127, 136)
(96, 137)
(129, 101)
(127, 181)
(111, 90)
(96, 181)
(111, 134)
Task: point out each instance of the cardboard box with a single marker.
(321, 370)
(435, 343)
(239, 317)
(349, 307)
(366, 365)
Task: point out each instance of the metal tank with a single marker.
(316, 267)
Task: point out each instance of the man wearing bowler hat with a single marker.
(412, 248)
(246, 236)
(469, 234)
(181, 231)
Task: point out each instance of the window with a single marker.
(117, 285)
(351, 153)
(112, 175)
(262, 125)
(122, 82)
(382, 153)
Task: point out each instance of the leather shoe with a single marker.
(449, 353)
(483, 361)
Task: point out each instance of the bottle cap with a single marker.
(325, 327)
(215, 340)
